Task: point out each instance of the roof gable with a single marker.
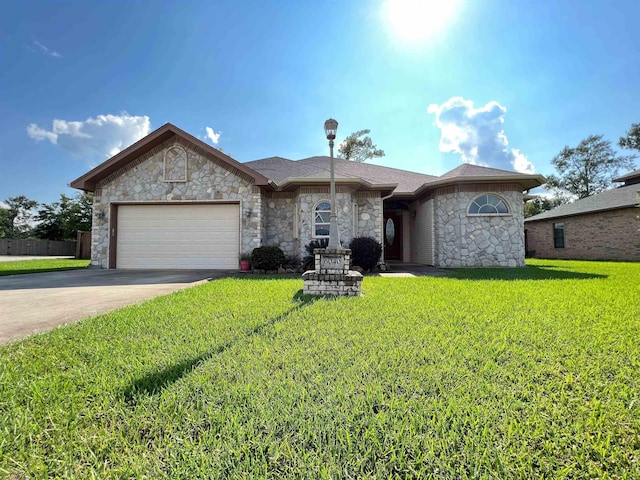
(89, 180)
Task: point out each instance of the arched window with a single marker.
(488, 204)
(321, 218)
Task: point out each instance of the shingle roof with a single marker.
(279, 169)
(620, 197)
(468, 170)
(629, 178)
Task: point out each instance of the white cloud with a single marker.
(213, 136)
(46, 51)
(4, 205)
(477, 134)
(94, 138)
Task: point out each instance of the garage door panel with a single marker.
(178, 236)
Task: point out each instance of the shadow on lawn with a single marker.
(523, 273)
(155, 382)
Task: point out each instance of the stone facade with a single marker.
(280, 210)
(463, 240)
(370, 215)
(607, 235)
(289, 216)
(207, 180)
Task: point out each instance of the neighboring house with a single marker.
(172, 201)
(605, 226)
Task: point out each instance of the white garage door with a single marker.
(178, 236)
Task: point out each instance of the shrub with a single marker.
(365, 252)
(291, 261)
(308, 262)
(267, 258)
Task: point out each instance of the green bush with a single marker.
(365, 252)
(267, 258)
(308, 262)
(291, 261)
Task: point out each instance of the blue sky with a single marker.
(505, 83)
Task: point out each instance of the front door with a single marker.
(393, 235)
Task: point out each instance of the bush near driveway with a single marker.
(515, 373)
(267, 258)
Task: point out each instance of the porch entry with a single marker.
(392, 232)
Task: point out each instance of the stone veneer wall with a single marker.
(463, 240)
(308, 197)
(279, 222)
(264, 202)
(283, 231)
(608, 235)
(208, 179)
(370, 215)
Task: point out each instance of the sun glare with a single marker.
(418, 20)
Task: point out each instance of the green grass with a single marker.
(519, 373)
(41, 265)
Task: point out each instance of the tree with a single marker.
(358, 149)
(540, 204)
(61, 220)
(632, 140)
(5, 227)
(49, 225)
(18, 216)
(588, 168)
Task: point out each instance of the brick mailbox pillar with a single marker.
(332, 275)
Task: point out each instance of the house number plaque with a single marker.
(332, 262)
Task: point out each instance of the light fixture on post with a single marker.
(331, 274)
(330, 129)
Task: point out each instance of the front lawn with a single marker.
(41, 265)
(516, 373)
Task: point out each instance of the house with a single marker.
(605, 226)
(172, 201)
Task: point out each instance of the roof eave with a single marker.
(526, 181)
(576, 214)
(292, 182)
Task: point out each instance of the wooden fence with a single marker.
(83, 245)
(10, 246)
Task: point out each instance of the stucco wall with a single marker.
(609, 235)
(463, 240)
(422, 233)
(207, 180)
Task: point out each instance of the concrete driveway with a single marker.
(38, 302)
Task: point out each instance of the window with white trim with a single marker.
(321, 219)
(488, 204)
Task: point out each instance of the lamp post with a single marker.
(330, 129)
